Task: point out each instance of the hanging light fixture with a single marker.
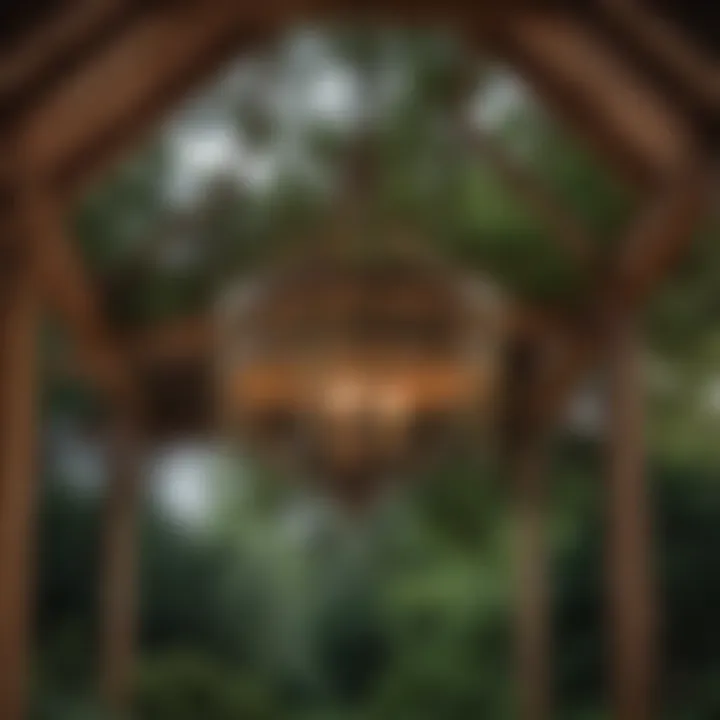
(346, 371)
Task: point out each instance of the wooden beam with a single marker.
(19, 351)
(118, 612)
(193, 338)
(527, 455)
(112, 100)
(664, 230)
(590, 87)
(534, 654)
(629, 562)
(177, 341)
(678, 55)
(48, 45)
(71, 296)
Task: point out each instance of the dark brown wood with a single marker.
(51, 46)
(192, 339)
(154, 62)
(119, 589)
(187, 339)
(73, 298)
(629, 558)
(527, 446)
(668, 47)
(19, 331)
(664, 230)
(534, 654)
(598, 94)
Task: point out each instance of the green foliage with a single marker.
(188, 687)
(412, 622)
(116, 218)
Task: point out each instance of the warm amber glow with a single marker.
(357, 388)
(342, 395)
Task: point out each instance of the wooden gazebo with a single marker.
(81, 80)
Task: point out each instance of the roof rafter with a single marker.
(51, 44)
(112, 99)
(658, 38)
(598, 94)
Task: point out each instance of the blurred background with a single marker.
(261, 600)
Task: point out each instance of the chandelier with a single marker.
(352, 371)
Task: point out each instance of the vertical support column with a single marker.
(19, 325)
(630, 587)
(533, 654)
(118, 598)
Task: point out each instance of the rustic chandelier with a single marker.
(350, 369)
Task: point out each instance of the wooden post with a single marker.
(19, 325)
(534, 655)
(630, 591)
(118, 611)
(532, 591)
